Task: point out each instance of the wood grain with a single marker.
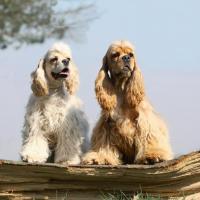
(173, 179)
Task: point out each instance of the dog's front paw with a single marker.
(150, 160)
(91, 159)
(94, 158)
(33, 155)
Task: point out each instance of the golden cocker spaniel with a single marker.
(129, 130)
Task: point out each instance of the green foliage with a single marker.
(34, 21)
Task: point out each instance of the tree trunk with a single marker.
(179, 179)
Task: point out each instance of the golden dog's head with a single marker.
(120, 59)
(119, 73)
(55, 70)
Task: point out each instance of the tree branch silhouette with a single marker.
(35, 21)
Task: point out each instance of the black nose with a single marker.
(65, 62)
(126, 58)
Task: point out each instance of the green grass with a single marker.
(122, 196)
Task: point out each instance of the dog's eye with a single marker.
(115, 54)
(52, 60)
(131, 54)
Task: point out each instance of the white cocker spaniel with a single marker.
(55, 125)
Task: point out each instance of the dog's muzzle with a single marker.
(60, 73)
(126, 59)
(63, 74)
(61, 69)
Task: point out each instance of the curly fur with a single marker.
(103, 87)
(55, 126)
(129, 130)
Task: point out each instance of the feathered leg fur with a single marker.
(103, 150)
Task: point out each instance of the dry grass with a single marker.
(122, 196)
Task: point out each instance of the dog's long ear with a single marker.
(72, 82)
(39, 83)
(135, 90)
(104, 89)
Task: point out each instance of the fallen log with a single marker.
(176, 179)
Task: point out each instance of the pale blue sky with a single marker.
(166, 36)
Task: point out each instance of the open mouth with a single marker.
(63, 74)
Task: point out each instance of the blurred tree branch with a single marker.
(34, 21)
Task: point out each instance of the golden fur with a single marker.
(128, 131)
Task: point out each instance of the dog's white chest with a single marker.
(53, 114)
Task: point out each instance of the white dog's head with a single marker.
(54, 70)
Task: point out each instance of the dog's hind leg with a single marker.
(151, 141)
